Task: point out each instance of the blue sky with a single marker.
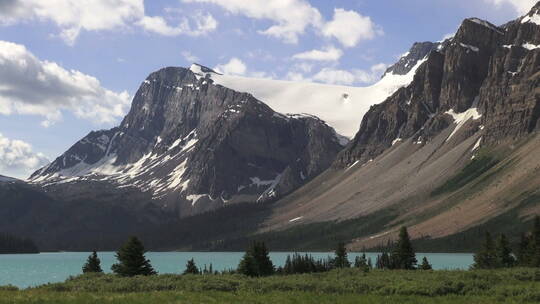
(69, 69)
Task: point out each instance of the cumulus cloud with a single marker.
(520, 6)
(31, 86)
(349, 27)
(17, 159)
(73, 16)
(189, 57)
(291, 18)
(344, 77)
(327, 54)
(204, 23)
(235, 66)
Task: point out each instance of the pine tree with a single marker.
(256, 261)
(534, 244)
(523, 250)
(341, 260)
(403, 256)
(248, 265)
(370, 264)
(485, 258)
(503, 253)
(262, 257)
(425, 264)
(191, 268)
(131, 259)
(93, 264)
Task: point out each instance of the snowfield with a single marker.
(341, 107)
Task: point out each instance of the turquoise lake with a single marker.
(27, 270)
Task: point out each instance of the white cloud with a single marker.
(327, 54)
(520, 6)
(189, 57)
(204, 23)
(73, 16)
(291, 18)
(235, 66)
(349, 27)
(17, 158)
(344, 77)
(31, 86)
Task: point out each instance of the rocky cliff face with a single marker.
(484, 79)
(195, 146)
(418, 52)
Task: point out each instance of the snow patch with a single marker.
(461, 118)
(195, 197)
(477, 144)
(532, 19)
(295, 219)
(530, 46)
(470, 47)
(486, 24)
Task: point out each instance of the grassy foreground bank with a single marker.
(518, 285)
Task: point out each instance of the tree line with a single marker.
(13, 244)
(499, 254)
(256, 261)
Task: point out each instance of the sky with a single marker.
(71, 66)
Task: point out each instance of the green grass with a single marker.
(518, 285)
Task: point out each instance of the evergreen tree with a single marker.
(503, 253)
(131, 259)
(362, 263)
(93, 264)
(341, 260)
(425, 264)
(262, 257)
(248, 265)
(534, 244)
(486, 257)
(256, 261)
(370, 264)
(523, 250)
(403, 256)
(383, 261)
(191, 268)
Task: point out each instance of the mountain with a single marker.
(6, 179)
(454, 152)
(190, 145)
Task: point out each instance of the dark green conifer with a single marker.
(341, 260)
(191, 268)
(93, 264)
(403, 255)
(503, 253)
(485, 258)
(256, 261)
(131, 259)
(425, 264)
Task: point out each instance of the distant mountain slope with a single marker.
(6, 179)
(455, 149)
(194, 146)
